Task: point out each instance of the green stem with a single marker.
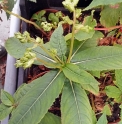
(48, 64)
(46, 51)
(25, 20)
(72, 39)
(61, 62)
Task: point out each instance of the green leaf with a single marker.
(80, 46)
(22, 90)
(50, 118)
(113, 91)
(35, 104)
(118, 76)
(41, 13)
(96, 3)
(88, 31)
(35, 16)
(106, 110)
(4, 111)
(10, 5)
(114, 15)
(86, 80)
(57, 41)
(83, 35)
(52, 17)
(95, 73)
(75, 106)
(90, 21)
(99, 58)
(17, 49)
(118, 99)
(7, 98)
(102, 119)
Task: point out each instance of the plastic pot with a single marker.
(28, 8)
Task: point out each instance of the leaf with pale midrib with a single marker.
(99, 58)
(35, 104)
(17, 49)
(57, 41)
(87, 81)
(75, 106)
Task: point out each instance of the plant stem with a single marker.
(46, 51)
(107, 29)
(59, 60)
(92, 102)
(25, 20)
(46, 63)
(72, 39)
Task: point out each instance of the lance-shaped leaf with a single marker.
(4, 111)
(35, 104)
(22, 90)
(99, 58)
(102, 119)
(86, 80)
(7, 98)
(50, 118)
(96, 3)
(57, 42)
(75, 106)
(17, 49)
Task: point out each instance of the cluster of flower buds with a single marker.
(39, 40)
(27, 60)
(83, 28)
(24, 38)
(46, 26)
(70, 4)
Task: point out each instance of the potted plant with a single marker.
(73, 60)
(48, 20)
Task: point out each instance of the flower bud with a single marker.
(39, 40)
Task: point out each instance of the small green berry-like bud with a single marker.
(28, 63)
(70, 4)
(39, 40)
(54, 51)
(18, 63)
